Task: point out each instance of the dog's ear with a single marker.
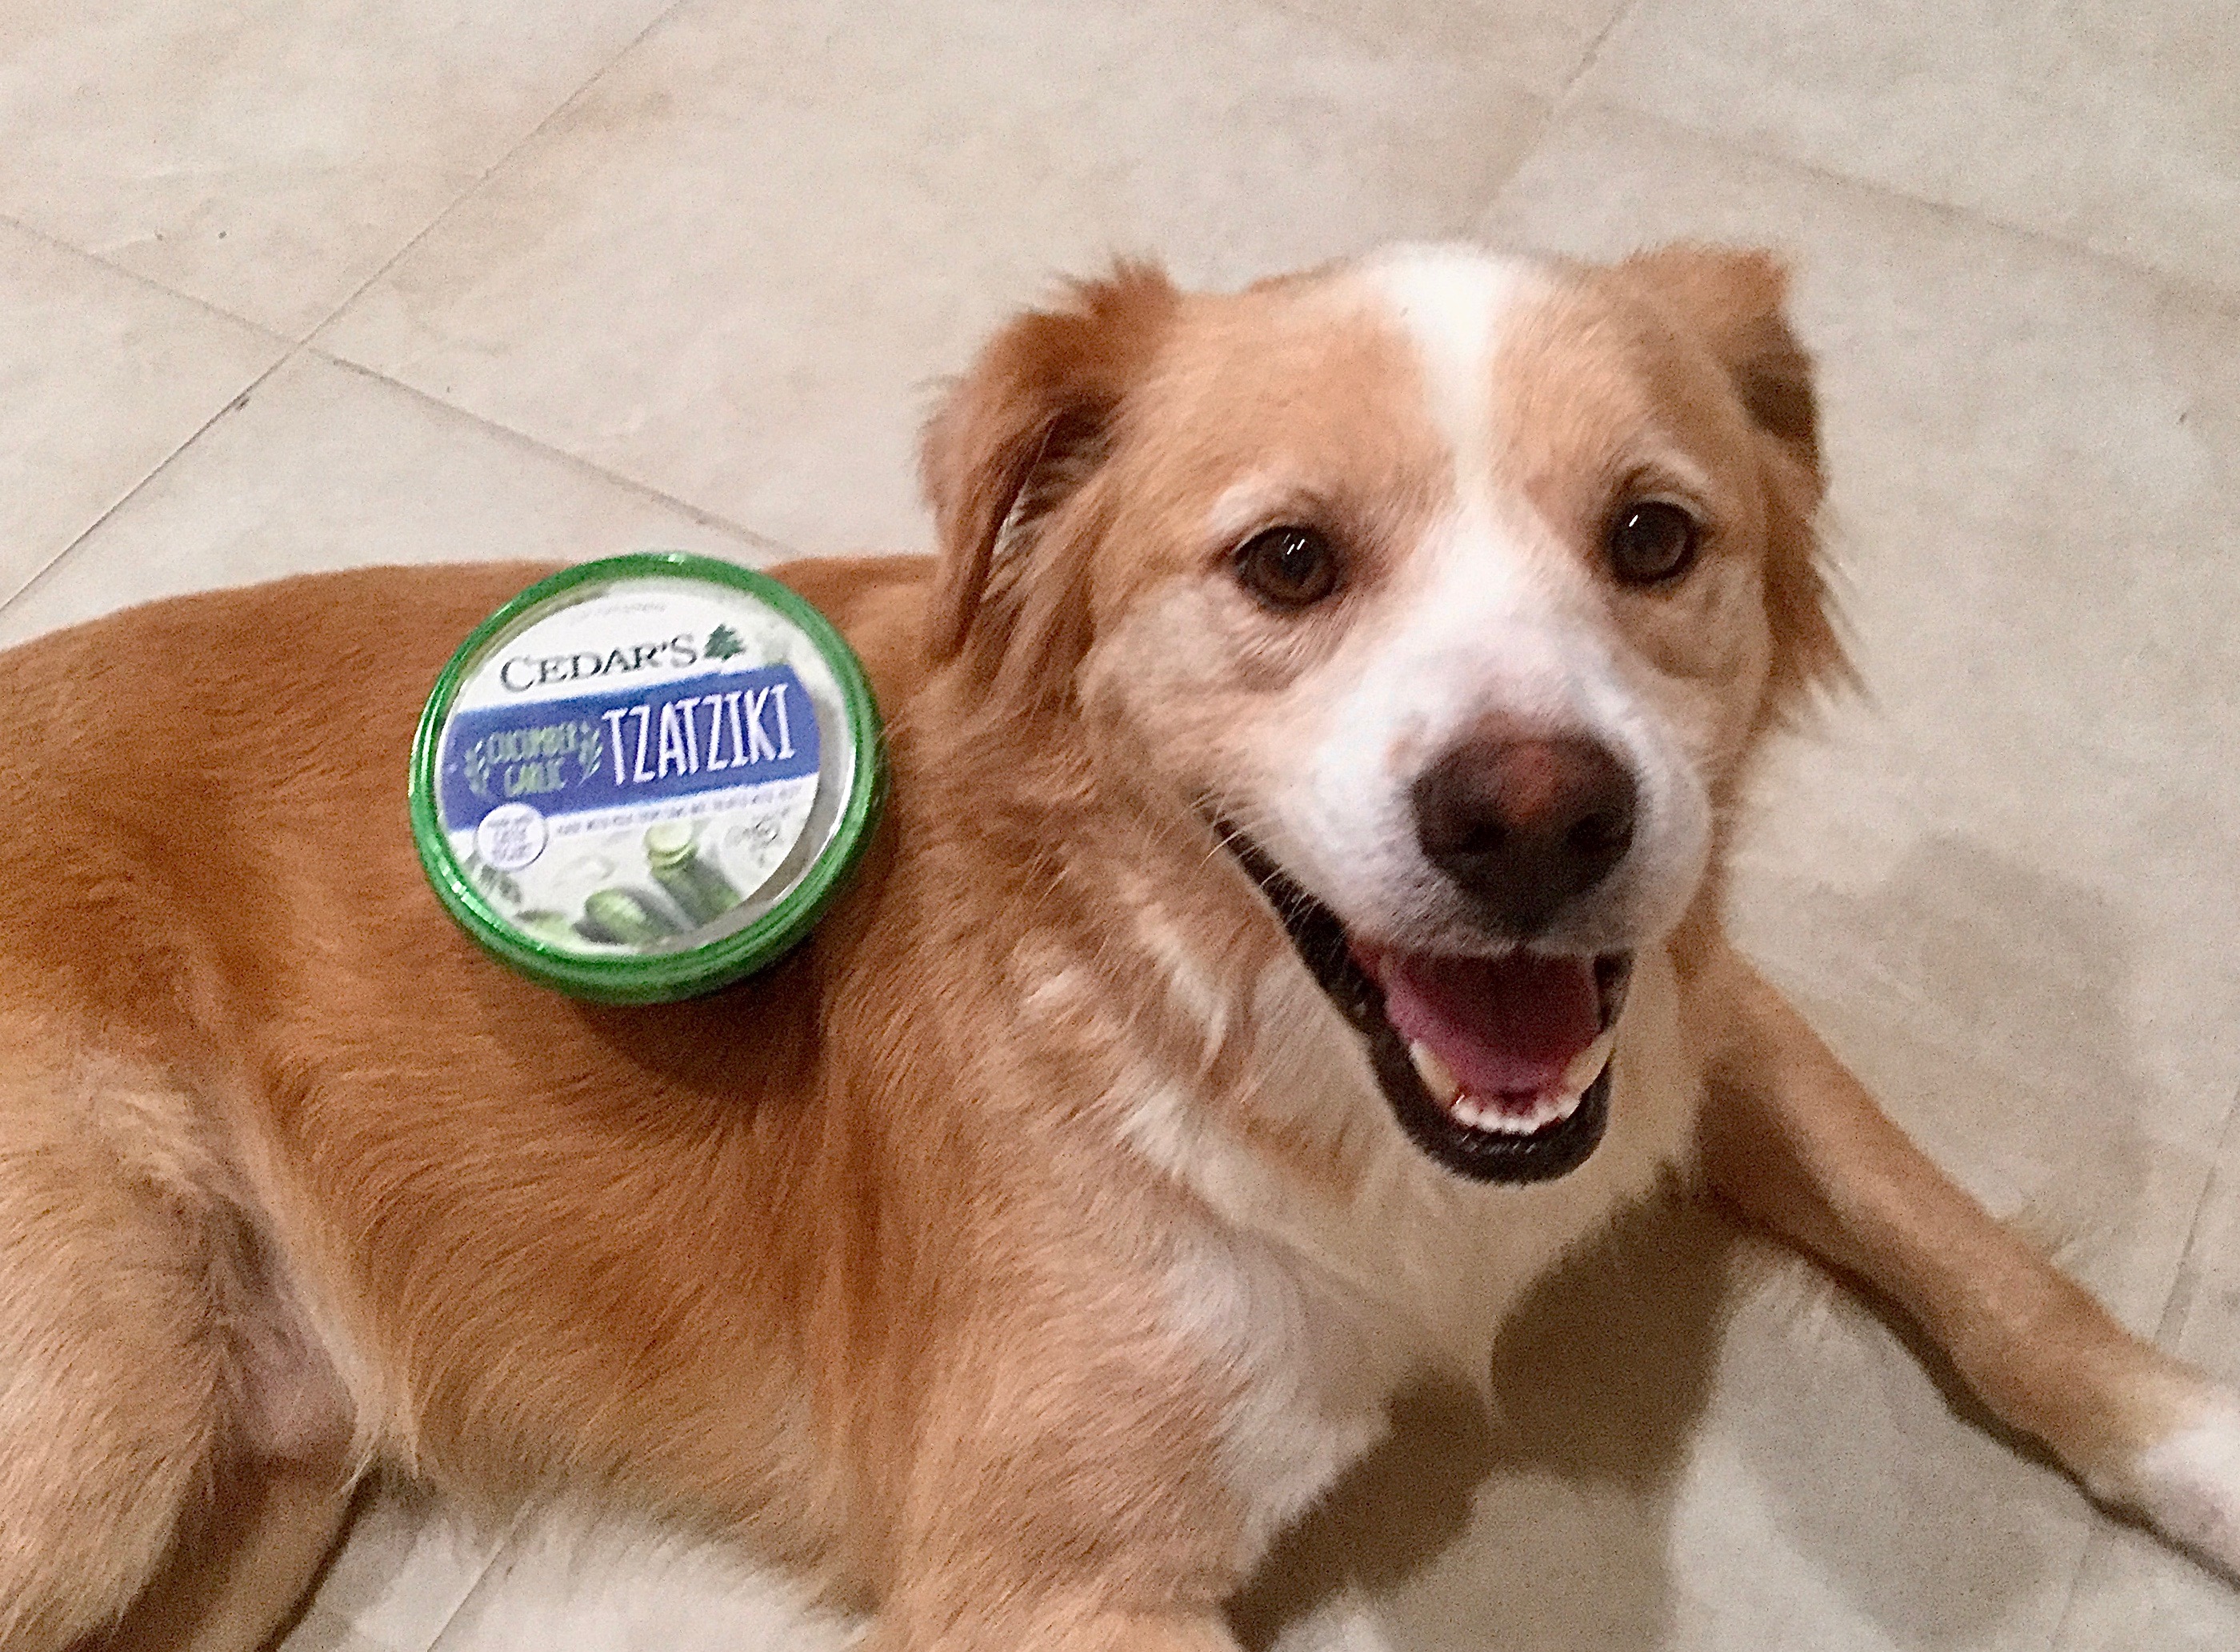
(1734, 300)
(1021, 433)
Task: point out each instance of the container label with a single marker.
(630, 771)
(618, 749)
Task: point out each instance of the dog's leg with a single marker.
(110, 1384)
(1108, 1549)
(1796, 1141)
(169, 1434)
(1059, 1485)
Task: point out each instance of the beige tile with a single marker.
(2112, 124)
(611, 1587)
(407, 1564)
(323, 467)
(1702, 1446)
(733, 269)
(2134, 1594)
(2203, 1320)
(1831, 1501)
(319, 1630)
(102, 378)
(269, 156)
(1540, 44)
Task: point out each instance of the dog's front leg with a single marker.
(1082, 1553)
(1050, 1477)
(1790, 1136)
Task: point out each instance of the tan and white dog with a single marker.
(1296, 923)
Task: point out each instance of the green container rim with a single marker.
(659, 978)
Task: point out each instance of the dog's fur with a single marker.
(1029, 1246)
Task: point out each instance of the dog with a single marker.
(1314, 750)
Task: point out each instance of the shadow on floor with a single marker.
(1600, 1378)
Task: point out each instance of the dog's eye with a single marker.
(1288, 567)
(1651, 542)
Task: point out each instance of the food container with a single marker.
(645, 777)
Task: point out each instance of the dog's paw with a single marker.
(2187, 1484)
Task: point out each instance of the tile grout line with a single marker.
(411, 241)
(779, 549)
(498, 165)
(291, 348)
(700, 515)
(2188, 289)
(233, 405)
(506, 1540)
(2094, 1536)
(1594, 51)
(219, 311)
(1553, 105)
(2164, 1326)
(705, 517)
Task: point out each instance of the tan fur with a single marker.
(872, 1262)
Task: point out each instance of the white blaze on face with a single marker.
(1488, 614)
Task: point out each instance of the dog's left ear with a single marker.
(1020, 435)
(1734, 299)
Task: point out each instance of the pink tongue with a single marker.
(1502, 1026)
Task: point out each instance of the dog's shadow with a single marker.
(1599, 1379)
(1553, 1522)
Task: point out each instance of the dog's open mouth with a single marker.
(1497, 1067)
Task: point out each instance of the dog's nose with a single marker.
(1525, 824)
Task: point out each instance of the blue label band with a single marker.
(709, 733)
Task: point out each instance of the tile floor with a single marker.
(301, 284)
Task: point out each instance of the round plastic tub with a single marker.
(644, 778)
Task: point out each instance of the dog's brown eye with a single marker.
(1652, 541)
(1288, 567)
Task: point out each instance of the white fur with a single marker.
(2188, 1484)
(1454, 303)
(1188, 981)
(1311, 1376)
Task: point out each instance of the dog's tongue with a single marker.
(1502, 1026)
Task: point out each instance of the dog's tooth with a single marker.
(1587, 1066)
(1467, 1110)
(1442, 1084)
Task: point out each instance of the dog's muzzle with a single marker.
(1497, 1067)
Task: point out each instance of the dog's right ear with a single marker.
(1023, 430)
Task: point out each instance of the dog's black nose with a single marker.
(1525, 824)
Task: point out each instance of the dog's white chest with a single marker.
(1313, 1312)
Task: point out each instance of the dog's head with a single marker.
(1449, 591)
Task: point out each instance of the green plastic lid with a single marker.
(645, 777)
